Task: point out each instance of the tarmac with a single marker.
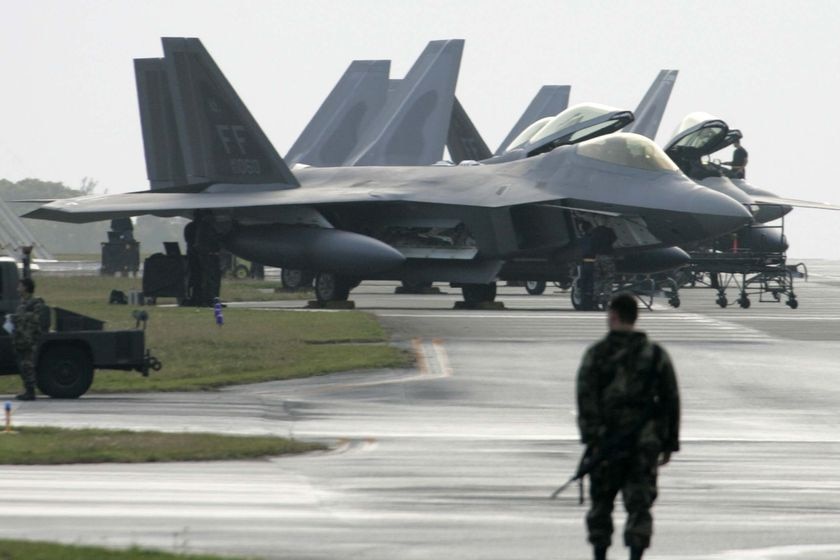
(456, 458)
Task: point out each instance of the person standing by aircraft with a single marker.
(628, 416)
(27, 330)
(740, 158)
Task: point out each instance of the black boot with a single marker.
(27, 395)
(600, 553)
(636, 553)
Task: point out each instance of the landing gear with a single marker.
(722, 301)
(476, 294)
(744, 301)
(792, 302)
(535, 287)
(415, 286)
(674, 301)
(293, 279)
(332, 287)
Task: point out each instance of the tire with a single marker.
(579, 302)
(744, 302)
(475, 294)
(64, 372)
(415, 286)
(722, 302)
(241, 272)
(674, 302)
(792, 303)
(294, 279)
(331, 287)
(535, 287)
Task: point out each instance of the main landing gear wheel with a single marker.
(674, 302)
(792, 303)
(744, 302)
(293, 279)
(241, 272)
(415, 286)
(475, 294)
(722, 301)
(582, 301)
(535, 287)
(332, 287)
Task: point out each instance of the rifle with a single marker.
(614, 445)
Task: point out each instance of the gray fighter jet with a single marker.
(457, 224)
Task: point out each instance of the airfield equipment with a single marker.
(68, 355)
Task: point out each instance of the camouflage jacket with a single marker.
(27, 322)
(614, 395)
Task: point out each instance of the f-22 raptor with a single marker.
(457, 224)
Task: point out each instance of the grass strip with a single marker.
(34, 550)
(252, 346)
(36, 445)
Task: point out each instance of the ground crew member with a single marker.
(27, 331)
(740, 157)
(627, 393)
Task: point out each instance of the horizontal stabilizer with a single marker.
(334, 132)
(220, 139)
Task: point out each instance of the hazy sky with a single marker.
(769, 68)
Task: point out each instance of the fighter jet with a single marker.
(698, 136)
(457, 224)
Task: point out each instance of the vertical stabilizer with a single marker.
(412, 128)
(221, 141)
(164, 158)
(334, 132)
(463, 140)
(652, 107)
(549, 101)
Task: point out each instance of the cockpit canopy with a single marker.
(526, 134)
(575, 124)
(624, 148)
(700, 133)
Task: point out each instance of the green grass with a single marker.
(55, 446)
(32, 550)
(253, 345)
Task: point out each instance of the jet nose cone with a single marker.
(717, 213)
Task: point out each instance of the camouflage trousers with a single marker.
(26, 365)
(635, 477)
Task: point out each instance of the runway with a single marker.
(456, 458)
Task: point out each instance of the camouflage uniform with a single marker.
(27, 322)
(610, 389)
(604, 278)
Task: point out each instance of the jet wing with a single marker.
(778, 201)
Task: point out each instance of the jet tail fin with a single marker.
(463, 140)
(334, 132)
(412, 128)
(164, 158)
(549, 101)
(221, 141)
(652, 107)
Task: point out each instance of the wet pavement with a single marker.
(456, 458)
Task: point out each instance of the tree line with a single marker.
(60, 238)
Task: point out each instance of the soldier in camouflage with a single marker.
(626, 392)
(27, 330)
